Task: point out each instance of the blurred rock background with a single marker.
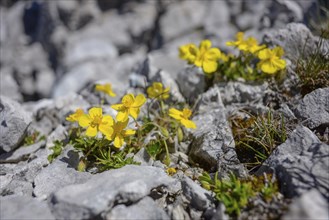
(51, 48)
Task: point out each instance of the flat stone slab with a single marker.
(125, 185)
(21, 207)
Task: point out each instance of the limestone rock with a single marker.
(313, 109)
(21, 207)
(213, 144)
(301, 163)
(146, 208)
(296, 39)
(127, 184)
(311, 205)
(198, 197)
(14, 123)
(191, 82)
(58, 174)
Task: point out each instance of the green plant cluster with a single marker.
(33, 138)
(236, 194)
(107, 143)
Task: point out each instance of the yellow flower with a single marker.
(75, 116)
(251, 45)
(157, 91)
(239, 40)
(270, 60)
(94, 121)
(207, 57)
(171, 171)
(204, 56)
(248, 45)
(118, 133)
(106, 88)
(182, 117)
(129, 106)
(188, 52)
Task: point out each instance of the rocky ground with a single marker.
(54, 52)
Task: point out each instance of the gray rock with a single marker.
(218, 15)
(44, 89)
(143, 157)
(22, 153)
(76, 15)
(18, 188)
(238, 92)
(82, 50)
(98, 70)
(311, 205)
(184, 16)
(313, 109)
(14, 123)
(177, 211)
(8, 85)
(295, 39)
(216, 213)
(146, 208)
(213, 144)
(167, 60)
(191, 82)
(142, 18)
(58, 174)
(124, 185)
(21, 207)
(198, 197)
(301, 163)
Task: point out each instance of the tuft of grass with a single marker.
(257, 136)
(313, 70)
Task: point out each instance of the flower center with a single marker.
(97, 120)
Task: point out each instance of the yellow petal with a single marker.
(279, 63)
(187, 113)
(264, 54)
(128, 100)
(107, 122)
(239, 36)
(129, 132)
(205, 45)
(278, 51)
(134, 112)
(120, 125)
(150, 92)
(84, 120)
(118, 141)
(230, 43)
(91, 131)
(210, 66)
(108, 132)
(176, 114)
(111, 93)
(117, 107)
(122, 115)
(99, 87)
(139, 101)
(188, 123)
(268, 67)
(95, 111)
